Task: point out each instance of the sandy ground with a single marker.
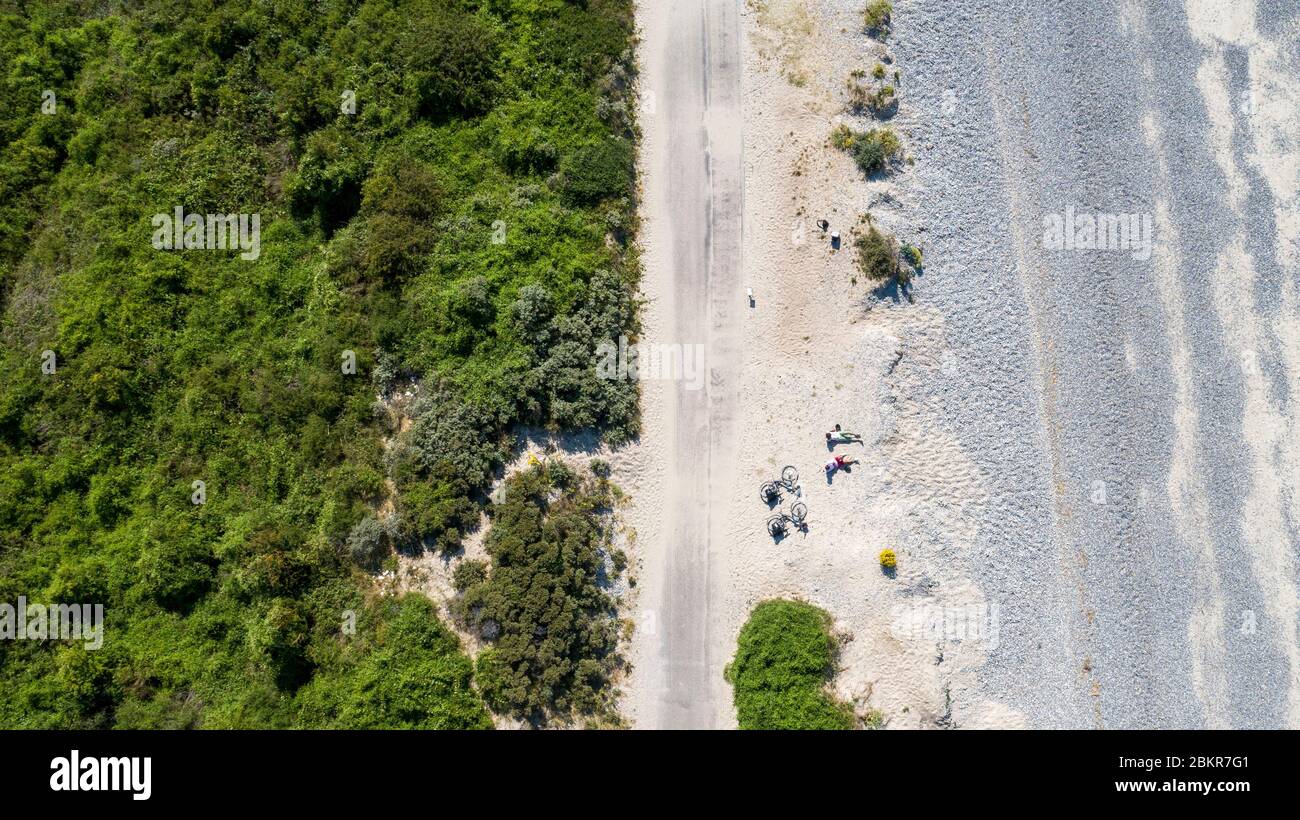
(821, 349)
(1102, 448)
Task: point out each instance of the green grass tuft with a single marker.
(876, 16)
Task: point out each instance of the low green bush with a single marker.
(862, 99)
(877, 255)
(842, 137)
(876, 16)
(784, 659)
(873, 151)
(406, 672)
(912, 256)
(598, 171)
(468, 573)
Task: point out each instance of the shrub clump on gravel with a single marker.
(876, 16)
(878, 256)
(872, 150)
(912, 256)
(880, 102)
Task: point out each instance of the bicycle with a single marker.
(778, 525)
(770, 492)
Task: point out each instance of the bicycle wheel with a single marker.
(799, 513)
(776, 526)
(770, 493)
(789, 476)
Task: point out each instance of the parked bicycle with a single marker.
(778, 526)
(770, 492)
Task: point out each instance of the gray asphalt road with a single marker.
(698, 97)
(1135, 419)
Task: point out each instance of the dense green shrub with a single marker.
(565, 373)
(877, 254)
(329, 177)
(784, 658)
(433, 223)
(549, 623)
(448, 443)
(872, 150)
(368, 542)
(174, 571)
(532, 313)
(598, 171)
(450, 61)
(409, 675)
(403, 186)
(469, 573)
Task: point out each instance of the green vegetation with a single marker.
(874, 719)
(881, 261)
(911, 255)
(784, 657)
(408, 674)
(880, 102)
(878, 257)
(875, 17)
(872, 150)
(469, 573)
(542, 607)
(445, 194)
(842, 137)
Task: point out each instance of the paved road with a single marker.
(1136, 419)
(695, 76)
